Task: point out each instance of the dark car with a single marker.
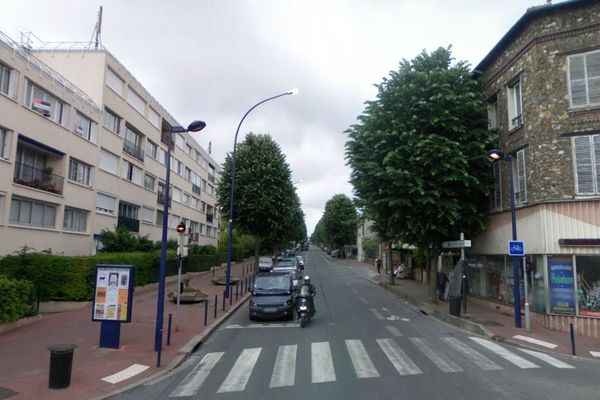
(265, 264)
(272, 296)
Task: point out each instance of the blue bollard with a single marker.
(216, 302)
(206, 311)
(169, 331)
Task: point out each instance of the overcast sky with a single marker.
(213, 60)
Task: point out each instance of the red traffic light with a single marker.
(181, 227)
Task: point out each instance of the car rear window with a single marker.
(272, 282)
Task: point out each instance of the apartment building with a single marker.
(83, 147)
(542, 80)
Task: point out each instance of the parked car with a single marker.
(272, 296)
(288, 261)
(300, 263)
(290, 269)
(265, 264)
(335, 253)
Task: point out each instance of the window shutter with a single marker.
(521, 176)
(593, 76)
(596, 139)
(583, 165)
(577, 80)
(93, 132)
(105, 202)
(109, 162)
(136, 175)
(13, 82)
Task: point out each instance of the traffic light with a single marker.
(181, 227)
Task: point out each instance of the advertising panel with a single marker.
(561, 280)
(113, 293)
(588, 285)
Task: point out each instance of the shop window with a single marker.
(588, 285)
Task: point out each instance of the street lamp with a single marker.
(497, 155)
(195, 126)
(230, 216)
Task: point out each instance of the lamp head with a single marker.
(495, 154)
(196, 126)
(293, 91)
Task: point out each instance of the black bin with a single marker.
(454, 303)
(61, 362)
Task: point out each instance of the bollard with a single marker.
(205, 311)
(213, 271)
(572, 339)
(169, 331)
(237, 289)
(224, 301)
(216, 302)
(230, 295)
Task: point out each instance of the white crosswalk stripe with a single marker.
(363, 366)
(398, 358)
(472, 355)
(442, 361)
(321, 363)
(192, 382)
(546, 358)
(240, 373)
(284, 370)
(394, 331)
(504, 353)
(376, 313)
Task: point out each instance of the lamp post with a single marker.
(195, 126)
(498, 155)
(232, 193)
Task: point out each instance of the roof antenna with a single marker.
(98, 30)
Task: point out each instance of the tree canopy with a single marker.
(418, 152)
(339, 221)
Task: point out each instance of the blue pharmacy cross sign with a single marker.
(516, 248)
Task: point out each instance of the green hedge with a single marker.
(203, 262)
(16, 297)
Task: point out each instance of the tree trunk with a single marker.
(432, 264)
(256, 254)
(390, 263)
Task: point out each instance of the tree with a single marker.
(417, 153)
(265, 198)
(339, 221)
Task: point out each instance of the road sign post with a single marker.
(460, 244)
(516, 248)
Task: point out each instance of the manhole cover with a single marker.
(6, 393)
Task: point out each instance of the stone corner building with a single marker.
(542, 82)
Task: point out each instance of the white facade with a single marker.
(82, 149)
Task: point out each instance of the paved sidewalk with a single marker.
(487, 321)
(25, 359)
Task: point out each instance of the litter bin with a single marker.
(454, 303)
(61, 361)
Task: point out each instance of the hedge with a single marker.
(15, 299)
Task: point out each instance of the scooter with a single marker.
(303, 310)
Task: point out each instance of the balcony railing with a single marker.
(160, 199)
(196, 189)
(132, 225)
(209, 218)
(133, 149)
(42, 179)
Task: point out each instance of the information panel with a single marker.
(562, 285)
(113, 293)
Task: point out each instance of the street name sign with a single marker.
(456, 244)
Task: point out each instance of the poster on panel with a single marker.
(113, 292)
(561, 280)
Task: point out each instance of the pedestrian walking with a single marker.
(442, 279)
(378, 265)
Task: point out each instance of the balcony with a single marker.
(132, 225)
(196, 189)
(209, 218)
(160, 199)
(133, 150)
(37, 178)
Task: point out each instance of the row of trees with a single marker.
(418, 153)
(266, 204)
(337, 226)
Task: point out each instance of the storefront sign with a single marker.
(562, 286)
(113, 293)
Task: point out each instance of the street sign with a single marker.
(456, 244)
(516, 248)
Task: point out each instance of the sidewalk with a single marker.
(486, 321)
(24, 369)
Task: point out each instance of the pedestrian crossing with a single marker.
(457, 357)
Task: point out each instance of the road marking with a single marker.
(535, 341)
(360, 360)
(393, 318)
(398, 358)
(253, 326)
(405, 319)
(504, 353)
(376, 313)
(284, 370)
(472, 355)
(442, 361)
(321, 363)
(126, 373)
(546, 358)
(363, 300)
(240, 373)
(191, 360)
(192, 382)
(394, 331)
(595, 353)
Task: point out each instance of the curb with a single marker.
(184, 351)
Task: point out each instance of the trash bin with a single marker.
(61, 361)
(454, 303)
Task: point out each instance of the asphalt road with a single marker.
(363, 343)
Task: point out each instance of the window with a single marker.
(149, 181)
(8, 81)
(32, 212)
(497, 194)
(154, 118)
(2, 200)
(85, 127)
(186, 199)
(586, 151)
(584, 79)
(151, 149)
(148, 214)
(180, 168)
(114, 82)
(75, 219)
(187, 174)
(195, 204)
(131, 172)
(492, 114)
(109, 162)
(136, 101)
(80, 172)
(161, 155)
(180, 141)
(5, 136)
(46, 104)
(132, 144)
(112, 121)
(521, 179)
(189, 150)
(515, 110)
(105, 203)
(174, 221)
(159, 217)
(176, 194)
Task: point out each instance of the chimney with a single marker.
(209, 148)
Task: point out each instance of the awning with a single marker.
(40, 146)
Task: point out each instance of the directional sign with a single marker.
(516, 248)
(456, 244)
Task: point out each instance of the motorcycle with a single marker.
(304, 308)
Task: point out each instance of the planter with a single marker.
(222, 280)
(188, 296)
